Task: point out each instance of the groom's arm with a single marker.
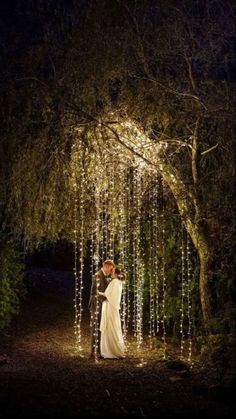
(95, 289)
(101, 295)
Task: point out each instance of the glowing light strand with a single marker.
(128, 249)
(189, 305)
(111, 239)
(139, 269)
(134, 249)
(151, 265)
(163, 276)
(78, 170)
(81, 257)
(156, 251)
(98, 240)
(75, 188)
(183, 286)
(122, 230)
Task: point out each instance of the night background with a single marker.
(117, 140)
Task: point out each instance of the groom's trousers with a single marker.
(95, 319)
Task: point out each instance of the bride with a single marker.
(112, 342)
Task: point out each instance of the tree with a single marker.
(166, 67)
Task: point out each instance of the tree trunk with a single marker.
(205, 253)
(188, 208)
(205, 279)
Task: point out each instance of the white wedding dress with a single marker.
(112, 342)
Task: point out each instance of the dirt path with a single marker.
(42, 375)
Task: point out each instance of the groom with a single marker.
(99, 283)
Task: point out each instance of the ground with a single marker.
(42, 373)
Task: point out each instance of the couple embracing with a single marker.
(104, 304)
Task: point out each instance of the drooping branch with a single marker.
(195, 155)
(209, 149)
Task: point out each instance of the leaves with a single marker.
(11, 276)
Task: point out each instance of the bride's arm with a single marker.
(113, 293)
(102, 293)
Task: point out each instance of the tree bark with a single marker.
(205, 253)
(188, 207)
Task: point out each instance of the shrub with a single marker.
(218, 352)
(11, 280)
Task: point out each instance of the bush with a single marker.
(218, 351)
(11, 280)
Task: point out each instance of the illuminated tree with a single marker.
(165, 69)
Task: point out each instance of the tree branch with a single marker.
(209, 149)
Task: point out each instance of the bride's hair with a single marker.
(119, 273)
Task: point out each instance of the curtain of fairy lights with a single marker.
(118, 190)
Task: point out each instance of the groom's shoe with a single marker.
(93, 356)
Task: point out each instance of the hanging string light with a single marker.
(93, 235)
(151, 265)
(105, 221)
(92, 251)
(189, 305)
(75, 188)
(122, 246)
(135, 234)
(97, 245)
(78, 172)
(128, 248)
(139, 269)
(96, 249)
(111, 203)
(81, 253)
(155, 256)
(183, 286)
(163, 276)
(102, 253)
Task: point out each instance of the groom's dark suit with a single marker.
(99, 283)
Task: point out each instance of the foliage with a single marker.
(135, 67)
(11, 280)
(218, 351)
